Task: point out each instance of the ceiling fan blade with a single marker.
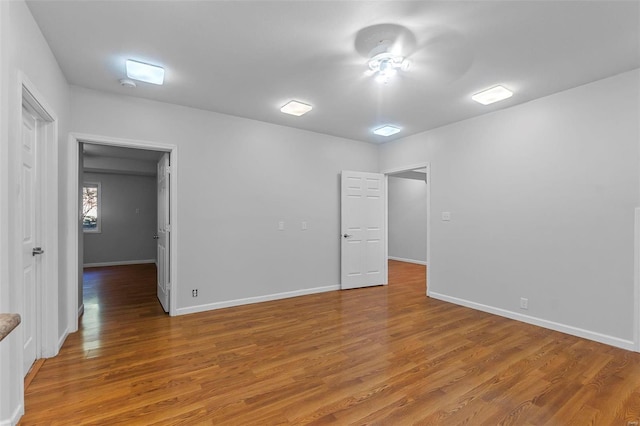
(445, 56)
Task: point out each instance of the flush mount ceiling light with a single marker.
(386, 130)
(384, 66)
(296, 108)
(495, 94)
(145, 72)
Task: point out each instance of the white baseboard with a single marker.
(118, 263)
(402, 259)
(563, 328)
(15, 417)
(257, 299)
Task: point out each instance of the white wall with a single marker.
(407, 219)
(128, 220)
(23, 50)
(237, 179)
(542, 199)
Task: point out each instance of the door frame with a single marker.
(636, 281)
(400, 169)
(74, 265)
(47, 333)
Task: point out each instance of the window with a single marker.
(91, 207)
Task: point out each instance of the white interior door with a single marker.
(164, 231)
(363, 221)
(29, 236)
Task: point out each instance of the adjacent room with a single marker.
(309, 212)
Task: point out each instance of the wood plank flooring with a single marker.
(384, 355)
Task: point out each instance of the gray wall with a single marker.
(129, 212)
(237, 178)
(542, 199)
(407, 219)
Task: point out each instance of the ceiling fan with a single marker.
(392, 50)
(383, 45)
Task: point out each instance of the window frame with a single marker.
(98, 228)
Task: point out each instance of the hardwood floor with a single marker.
(384, 355)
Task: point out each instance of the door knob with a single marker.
(347, 235)
(37, 250)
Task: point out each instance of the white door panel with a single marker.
(28, 214)
(363, 220)
(164, 231)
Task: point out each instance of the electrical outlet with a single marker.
(524, 303)
(194, 292)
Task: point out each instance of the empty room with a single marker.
(319, 212)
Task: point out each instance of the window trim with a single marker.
(98, 228)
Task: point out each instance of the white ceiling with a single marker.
(248, 58)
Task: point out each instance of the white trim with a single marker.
(118, 263)
(256, 299)
(15, 417)
(73, 179)
(47, 323)
(636, 280)
(406, 168)
(81, 310)
(386, 229)
(425, 165)
(428, 261)
(402, 259)
(563, 328)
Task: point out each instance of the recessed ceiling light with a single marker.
(296, 108)
(386, 130)
(145, 72)
(492, 95)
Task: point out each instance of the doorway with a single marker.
(119, 208)
(75, 184)
(412, 184)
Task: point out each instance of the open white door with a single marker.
(29, 236)
(164, 231)
(363, 259)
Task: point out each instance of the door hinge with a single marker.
(168, 169)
